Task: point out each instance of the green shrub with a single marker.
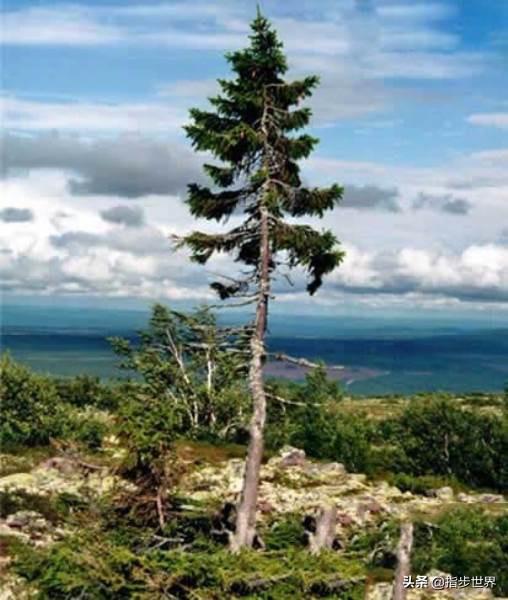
(285, 533)
(53, 507)
(85, 566)
(422, 484)
(87, 390)
(92, 566)
(438, 437)
(85, 427)
(311, 420)
(147, 427)
(464, 542)
(186, 362)
(433, 437)
(30, 412)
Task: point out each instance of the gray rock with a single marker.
(445, 494)
(292, 457)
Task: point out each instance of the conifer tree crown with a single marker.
(250, 130)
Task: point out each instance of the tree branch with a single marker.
(303, 362)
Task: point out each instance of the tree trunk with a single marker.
(403, 561)
(246, 514)
(325, 530)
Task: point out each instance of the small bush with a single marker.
(53, 507)
(286, 533)
(423, 484)
(86, 428)
(438, 437)
(92, 566)
(433, 437)
(464, 542)
(86, 390)
(85, 566)
(30, 411)
(311, 420)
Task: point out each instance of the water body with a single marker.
(381, 355)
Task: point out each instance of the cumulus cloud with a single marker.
(479, 273)
(105, 265)
(10, 214)
(71, 249)
(127, 165)
(371, 197)
(124, 215)
(446, 203)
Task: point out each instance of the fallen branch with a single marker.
(256, 584)
(160, 507)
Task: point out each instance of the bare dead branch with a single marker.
(303, 362)
(292, 402)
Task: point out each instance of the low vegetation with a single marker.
(146, 539)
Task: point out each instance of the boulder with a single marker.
(445, 494)
(31, 527)
(492, 498)
(292, 457)
(28, 520)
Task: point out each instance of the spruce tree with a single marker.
(249, 129)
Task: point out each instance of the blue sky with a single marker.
(412, 114)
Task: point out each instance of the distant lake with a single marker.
(382, 355)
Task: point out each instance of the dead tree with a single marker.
(324, 535)
(403, 561)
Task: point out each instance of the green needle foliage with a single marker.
(249, 131)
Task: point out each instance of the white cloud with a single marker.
(357, 52)
(69, 248)
(369, 60)
(66, 26)
(478, 273)
(499, 156)
(499, 120)
(415, 11)
(142, 117)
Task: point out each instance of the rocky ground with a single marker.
(290, 484)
